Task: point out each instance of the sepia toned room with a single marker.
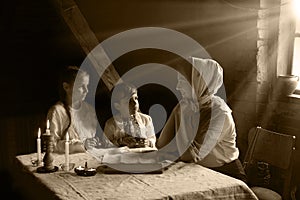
(254, 45)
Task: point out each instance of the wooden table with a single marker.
(178, 181)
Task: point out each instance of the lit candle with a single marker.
(38, 142)
(67, 161)
(48, 128)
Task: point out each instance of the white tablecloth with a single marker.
(179, 181)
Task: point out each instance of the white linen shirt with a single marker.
(83, 123)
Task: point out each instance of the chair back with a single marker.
(276, 151)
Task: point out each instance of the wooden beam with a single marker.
(87, 40)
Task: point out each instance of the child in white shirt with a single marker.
(129, 127)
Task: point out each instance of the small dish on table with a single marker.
(85, 171)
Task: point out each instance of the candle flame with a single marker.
(48, 124)
(39, 133)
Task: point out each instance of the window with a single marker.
(296, 51)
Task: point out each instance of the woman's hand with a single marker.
(76, 146)
(148, 143)
(92, 143)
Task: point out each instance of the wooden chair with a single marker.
(269, 163)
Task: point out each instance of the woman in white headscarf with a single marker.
(201, 128)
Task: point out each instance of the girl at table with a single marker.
(201, 128)
(72, 114)
(128, 126)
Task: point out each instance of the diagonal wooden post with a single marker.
(87, 40)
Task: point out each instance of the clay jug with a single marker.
(286, 84)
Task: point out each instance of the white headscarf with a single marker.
(212, 74)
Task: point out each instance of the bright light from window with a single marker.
(297, 8)
(296, 53)
(296, 61)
